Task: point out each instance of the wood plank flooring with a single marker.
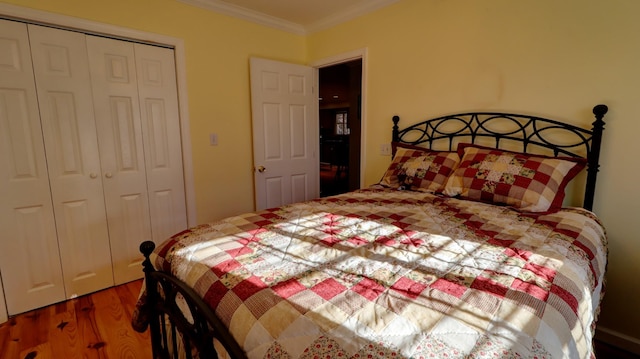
(99, 326)
(92, 326)
(606, 351)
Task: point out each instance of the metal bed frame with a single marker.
(528, 131)
(179, 319)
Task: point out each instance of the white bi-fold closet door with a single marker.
(136, 111)
(29, 254)
(90, 164)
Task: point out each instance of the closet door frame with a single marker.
(177, 44)
(4, 316)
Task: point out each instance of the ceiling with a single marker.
(297, 16)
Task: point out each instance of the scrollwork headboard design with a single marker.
(530, 132)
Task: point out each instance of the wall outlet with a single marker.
(213, 139)
(385, 149)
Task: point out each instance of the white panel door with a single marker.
(64, 92)
(285, 133)
(162, 142)
(29, 256)
(117, 112)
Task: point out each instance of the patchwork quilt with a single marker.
(381, 273)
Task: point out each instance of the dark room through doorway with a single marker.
(340, 127)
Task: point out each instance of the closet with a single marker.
(90, 161)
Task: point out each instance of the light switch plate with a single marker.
(213, 139)
(385, 149)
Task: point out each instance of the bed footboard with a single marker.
(182, 325)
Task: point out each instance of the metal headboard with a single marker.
(530, 132)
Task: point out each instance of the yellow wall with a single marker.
(551, 58)
(217, 51)
(425, 58)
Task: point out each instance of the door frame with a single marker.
(41, 17)
(358, 54)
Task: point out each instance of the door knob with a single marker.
(93, 175)
(108, 175)
(261, 169)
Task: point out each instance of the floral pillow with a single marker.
(419, 169)
(530, 183)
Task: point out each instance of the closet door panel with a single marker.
(29, 256)
(115, 94)
(162, 144)
(64, 92)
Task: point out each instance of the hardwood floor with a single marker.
(606, 351)
(98, 326)
(332, 182)
(91, 326)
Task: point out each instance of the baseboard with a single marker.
(619, 340)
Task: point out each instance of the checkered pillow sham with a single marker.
(419, 169)
(529, 183)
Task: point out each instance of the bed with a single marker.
(466, 248)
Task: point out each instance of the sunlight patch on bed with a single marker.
(201, 250)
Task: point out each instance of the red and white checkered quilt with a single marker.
(382, 273)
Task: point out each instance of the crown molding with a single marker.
(240, 12)
(220, 6)
(350, 13)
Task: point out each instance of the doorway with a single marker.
(340, 121)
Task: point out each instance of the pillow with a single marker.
(419, 168)
(532, 183)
